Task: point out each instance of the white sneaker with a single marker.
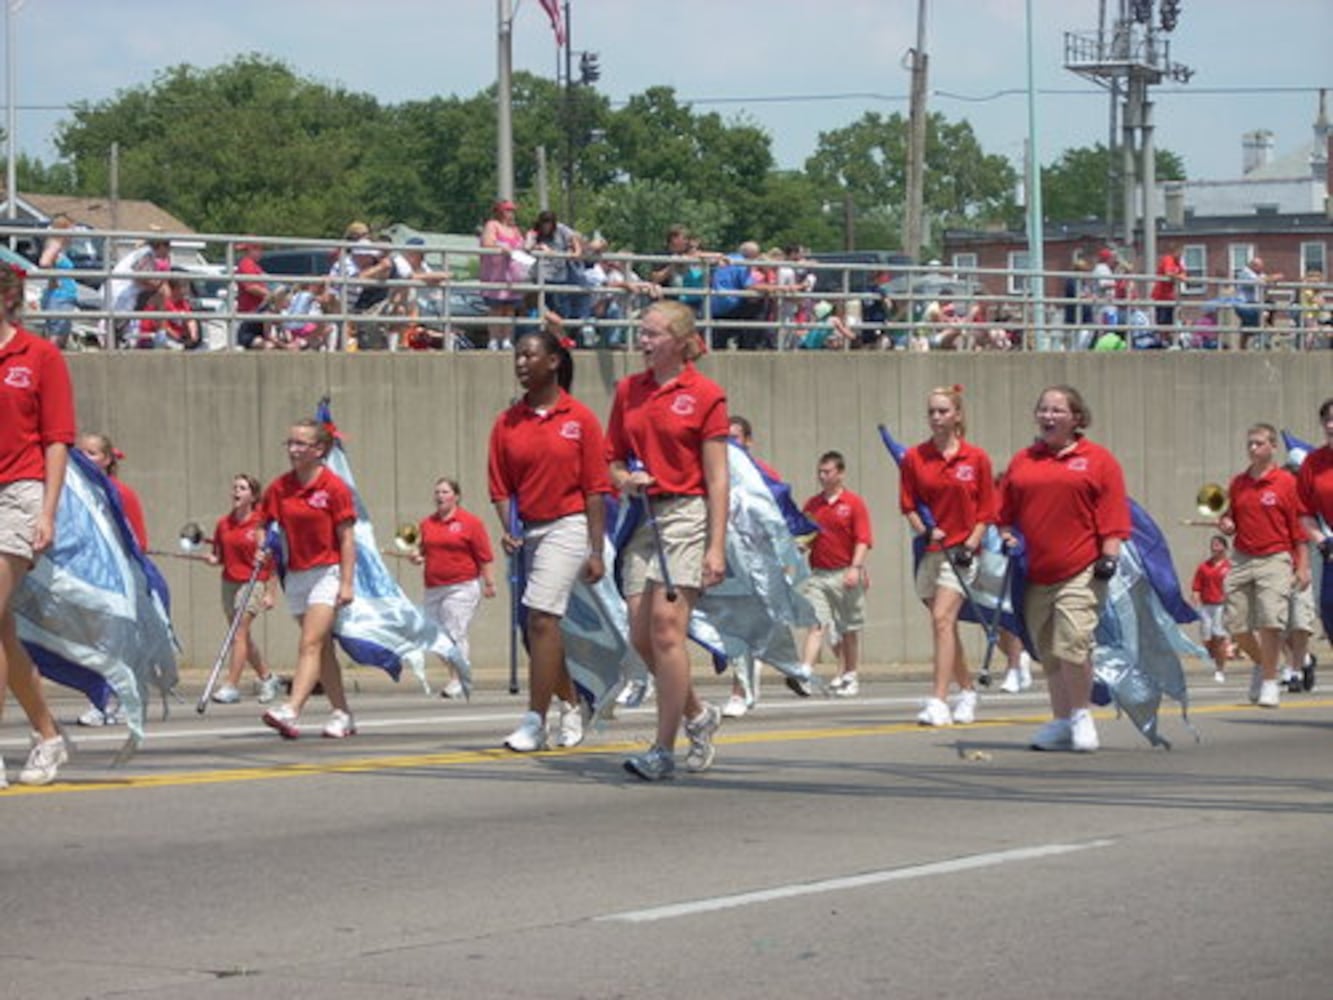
(1219, 677)
(636, 692)
(267, 688)
(802, 682)
(94, 716)
(454, 689)
(1082, 731)
(735, 707)
(44, 760)
(846, 685)
(284, 719)
(1054, 735)
(569, 732)
(699, 731)
(934, 713)
(529, 736)
(1268, 695)
(965, 708)
(1256, 682)
(340, 725)
(1018, 678)
(226, 695)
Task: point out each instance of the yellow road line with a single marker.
(494, 756)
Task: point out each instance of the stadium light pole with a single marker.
(1036, 233)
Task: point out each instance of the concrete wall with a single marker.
(188, 423)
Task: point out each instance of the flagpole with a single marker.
(504, 152)
(11, 114)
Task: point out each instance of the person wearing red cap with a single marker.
(36, 431)
(667, 443)
(501, 233)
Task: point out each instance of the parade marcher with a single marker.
(458, 565)
(1314, 489)
(546, 455)
(235, 547)
(838, 582)
(36, 432)
(1018, 663)
(672, 420)
(1066, 496)
(107, 457)
(316, 512)
(1270, 560)
(1208, 590)
(952, 478)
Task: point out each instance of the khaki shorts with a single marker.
(20, 506)
(1300, 611)
(838, 608)
(554, 552)
(1062, 617)
(683, 522)
(1258, 591)
(231, 598)
(937, 571)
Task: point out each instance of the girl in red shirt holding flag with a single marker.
(235, 547)
(1067, 497)
(546, 454)
(456, 553)
(674, 421)
(952, 477)
(36, 431)
(315, 510)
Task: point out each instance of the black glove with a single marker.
(1326, 548)
(960, 556)
(1104, 568)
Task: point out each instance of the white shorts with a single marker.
(1212, 623)
(307, 587)
(554, 552)
(453, 606)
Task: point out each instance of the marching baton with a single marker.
(168, 554)
(514, 557)
(658, 547)
(242, 603)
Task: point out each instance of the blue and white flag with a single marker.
(92, 614)
(382, 627)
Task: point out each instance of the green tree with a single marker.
(964, 185)
(32, 176)
(243, 146)
(1075, 185)
(636, 215)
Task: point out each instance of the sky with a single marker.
(793, 67)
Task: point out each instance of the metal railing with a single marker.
(792, 305)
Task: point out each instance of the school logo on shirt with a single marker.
(843, 511)
(571, 430)
(1268, 498)
(683, 405)
(1078, 465)
(455, 528)
(19, 377)
(319, 500)
(965, 473)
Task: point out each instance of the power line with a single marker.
(996, 95)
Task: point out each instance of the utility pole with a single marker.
(504, 125)
(570, 143)
(11, 116)
(916, 142)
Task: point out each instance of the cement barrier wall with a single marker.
(189, 423)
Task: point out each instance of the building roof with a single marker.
(132, 214)
(1291, 166)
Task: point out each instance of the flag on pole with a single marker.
(93, 614)
(552, 8)
(382, 627)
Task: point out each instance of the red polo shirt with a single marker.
(454, 549)
(236, 542)
(309, 516)
(248, 300)
(959, 490)
(1210, 581)
(36, 406)
(133, 508)
(551, 461)
(844, 522)
(1065, 505)
(1266, 512)
(1314, 485)
(665, 427)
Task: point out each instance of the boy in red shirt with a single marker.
(1209, 593)
(837, 583)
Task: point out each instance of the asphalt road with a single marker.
(835, 850)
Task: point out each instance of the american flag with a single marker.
(552, 8)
